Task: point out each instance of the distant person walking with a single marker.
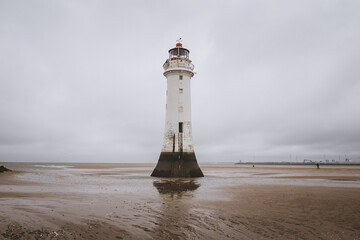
(317, 166)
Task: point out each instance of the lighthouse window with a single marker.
(180, 127)
(180, 90)
(181, 77)
(180, 109)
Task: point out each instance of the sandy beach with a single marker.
(115, 201)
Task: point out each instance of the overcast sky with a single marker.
(82, 80)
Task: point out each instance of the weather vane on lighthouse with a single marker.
(177, 157)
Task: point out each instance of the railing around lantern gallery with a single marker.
(178, 63)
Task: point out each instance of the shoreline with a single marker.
(230, 202)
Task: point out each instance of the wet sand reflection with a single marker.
(173, 221)
(176, 188)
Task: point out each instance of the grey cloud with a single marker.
(82, 81)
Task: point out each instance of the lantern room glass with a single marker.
(179, 52)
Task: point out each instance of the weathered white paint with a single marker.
(178, 105)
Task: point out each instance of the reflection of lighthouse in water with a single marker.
(177, 158)
(176, 218)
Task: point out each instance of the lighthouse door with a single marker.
(174, 143)
(180, 137)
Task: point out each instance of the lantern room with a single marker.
(179, 51)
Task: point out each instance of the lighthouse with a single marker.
(177, 157)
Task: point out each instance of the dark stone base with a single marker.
(175, 164)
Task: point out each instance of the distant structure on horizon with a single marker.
(177, 158)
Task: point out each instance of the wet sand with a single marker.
(230, 202)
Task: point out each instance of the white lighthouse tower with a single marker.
(177, 158)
